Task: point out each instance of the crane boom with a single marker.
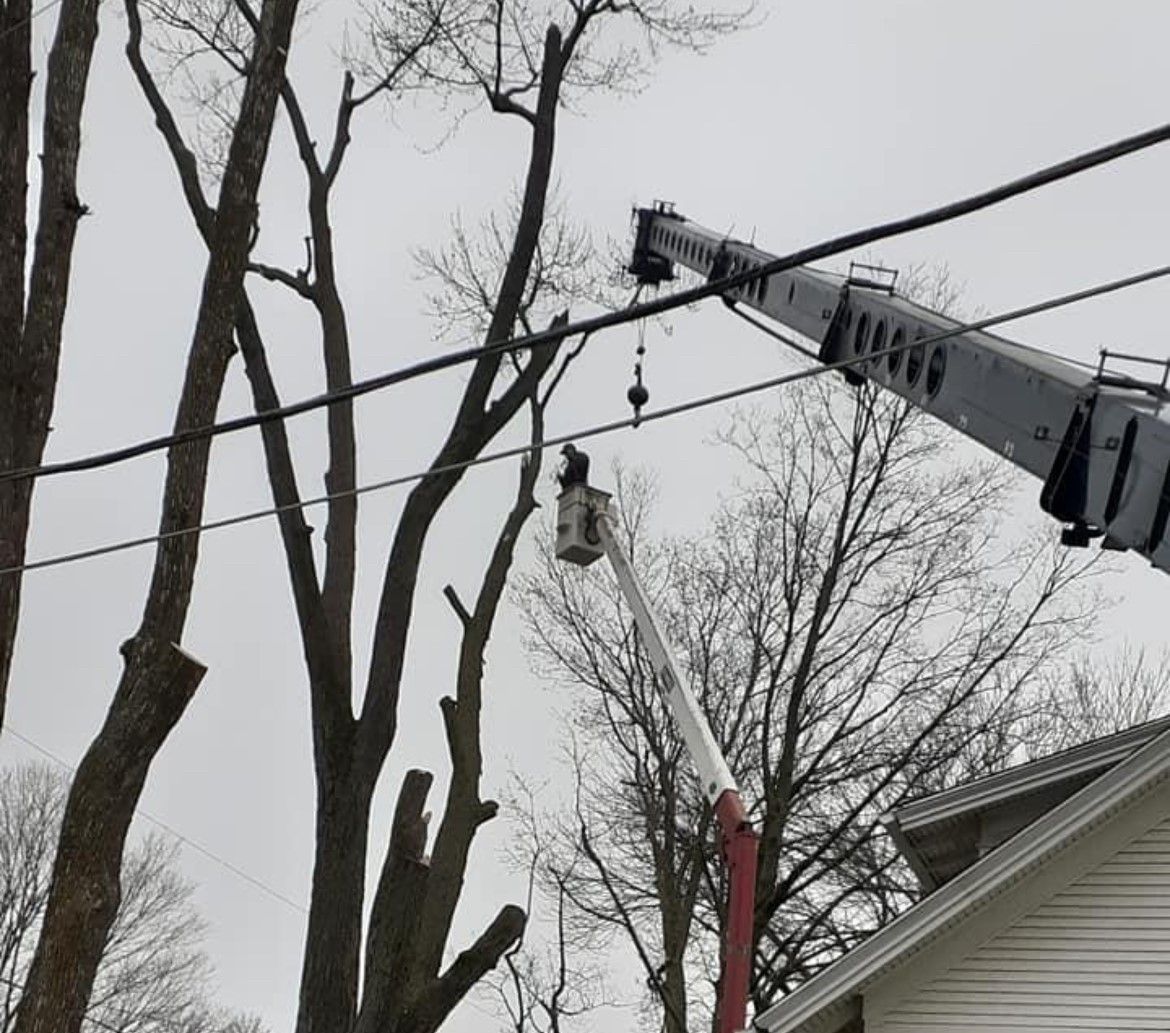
(584, 534)
(1098, 439)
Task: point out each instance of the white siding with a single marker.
(1094, 956)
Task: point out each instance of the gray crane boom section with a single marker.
(1099, 440)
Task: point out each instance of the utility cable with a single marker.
(29, 18)
(16, 984)
(167, 828)
(604, 428)
(825, 249)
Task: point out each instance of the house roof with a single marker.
(942, 834)
(830, 999)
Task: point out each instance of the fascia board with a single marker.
(971, 888)
(904, 847)
(1006, 784)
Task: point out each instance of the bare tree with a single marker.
(1088, 696)
(861, 625)
(31, 319)
(154, 976)
(523, 61)
(158, 678)
(553, 986)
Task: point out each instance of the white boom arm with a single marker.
(1100, 440)
(584, 533)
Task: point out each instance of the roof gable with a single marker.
(1079, 944)
(834, 992)
(946, 832)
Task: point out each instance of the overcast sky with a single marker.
(828, 116)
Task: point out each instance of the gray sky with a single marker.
(826, 117)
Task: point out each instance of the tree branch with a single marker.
(465, 971)
(298, 281)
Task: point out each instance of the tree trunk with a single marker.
(158, 680)
(86, 888)
(395, 916)
(339, 871)
(30, 341)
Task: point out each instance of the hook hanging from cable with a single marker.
(637, 395)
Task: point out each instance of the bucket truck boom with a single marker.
(584, 534)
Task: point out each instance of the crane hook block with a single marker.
(578, 508)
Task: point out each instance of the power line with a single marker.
(167, 828)
(604, 428)
(825, 249)
(29, 19)
(16, 984)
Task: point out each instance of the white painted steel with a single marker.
(577, 507)
(713, 771)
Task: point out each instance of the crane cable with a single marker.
(816, 252)
(785, 339)
(603, 428)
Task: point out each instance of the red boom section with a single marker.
(740, 844)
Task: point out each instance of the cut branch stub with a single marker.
(395, 913)
(408, 834)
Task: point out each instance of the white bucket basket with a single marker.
(577, 510)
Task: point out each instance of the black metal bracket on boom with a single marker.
(647, 265)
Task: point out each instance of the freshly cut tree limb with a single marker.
(395, 916)
(464, 811)
(30, 327)
(432, 1009)
(403, 987)
(159, 679)
(85, 890)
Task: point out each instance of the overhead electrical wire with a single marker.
(168, 829)
(604, 428)
(16, 984)
(29, 18)
(826, 249)
(817, 252)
